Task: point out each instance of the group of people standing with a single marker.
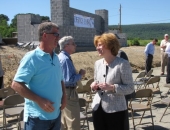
(48, 83)
(165, 56)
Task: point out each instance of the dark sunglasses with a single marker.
(55, 34)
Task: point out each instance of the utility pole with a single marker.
(120, 28)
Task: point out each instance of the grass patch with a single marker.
(137, 42)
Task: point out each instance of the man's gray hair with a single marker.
(46, 27)
(64, 40)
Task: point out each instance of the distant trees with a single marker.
(14, 22)
(45, 18)
(4, 17)
(145, 31)
(7, 29)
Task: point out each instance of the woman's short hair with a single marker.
(46, 27)
(64, 40)
(110, 41)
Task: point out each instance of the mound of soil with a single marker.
(11, 56)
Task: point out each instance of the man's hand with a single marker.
(21, 89)
(82, 72)
(45, 104)
(63, 102)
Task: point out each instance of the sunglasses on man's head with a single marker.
(55, 34)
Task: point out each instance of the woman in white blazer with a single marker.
(112, 81)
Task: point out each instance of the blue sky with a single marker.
(133, 11)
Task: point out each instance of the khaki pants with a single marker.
(164, 59)
(70, 117)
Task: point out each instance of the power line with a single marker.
(159, 21)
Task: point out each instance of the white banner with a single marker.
(83, 21)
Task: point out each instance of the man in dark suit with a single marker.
(123, 55)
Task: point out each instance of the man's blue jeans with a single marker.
(37, 124)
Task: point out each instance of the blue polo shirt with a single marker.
(42, 74)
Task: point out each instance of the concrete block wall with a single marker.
(27, 32)
(63, 15)
(60, 12)
(82, 36)
(104, 15)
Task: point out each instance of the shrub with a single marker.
(134, 42)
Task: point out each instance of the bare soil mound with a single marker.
(135, 54)
(11, 56)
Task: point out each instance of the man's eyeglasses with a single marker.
(73, 43)
(55, 34)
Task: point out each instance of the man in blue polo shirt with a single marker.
(149, 51)
(39, 79)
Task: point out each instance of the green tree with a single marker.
(3, 17)
(134, 42)
(43, 18)
(6, 29)
(3, 28)
(14, 22)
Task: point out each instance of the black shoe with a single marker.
(162, 73)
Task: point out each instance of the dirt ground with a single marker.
(11, 55)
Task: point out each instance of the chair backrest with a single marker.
(13, 100)
(21, 116)
(5, 92)
(152, 81)
(89, 83)
(20, 120)
(79, 84)
(141, 75)
(149, 73)
(142, 93)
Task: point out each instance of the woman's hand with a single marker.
(105, 86)
(94, 86)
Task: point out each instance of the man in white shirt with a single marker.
(164, 56)
(167, 50)
(1, 75)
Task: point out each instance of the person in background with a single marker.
(164, 56)
(39, 79)
(149, 51)
(1, 75)
(71, 113)
(112, 81)
(123, 55)
(167, 50)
